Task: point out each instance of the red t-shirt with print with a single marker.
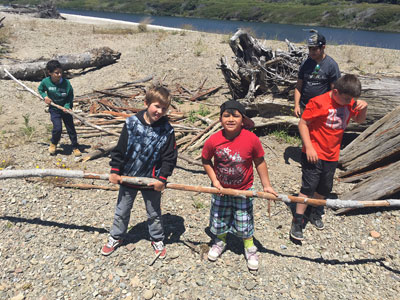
(233, 159)
(327, 121)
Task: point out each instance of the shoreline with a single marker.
(105, 21)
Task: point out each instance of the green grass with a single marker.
(202, 111)
(284, 136)
(198, 203)
(28, 130)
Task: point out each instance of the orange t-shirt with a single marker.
(327, 121)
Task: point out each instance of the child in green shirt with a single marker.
(58, 90)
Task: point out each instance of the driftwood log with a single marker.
(144, 181)
(382, 95)
(372, 160)
(263, 80)
(95, 58)
(45, 10)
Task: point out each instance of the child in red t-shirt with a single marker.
(234, 150)
(321, 128)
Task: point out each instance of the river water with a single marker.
(294, 33)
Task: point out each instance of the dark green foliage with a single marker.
(360, 14)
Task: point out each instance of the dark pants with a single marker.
(317, 178)
(56, 117)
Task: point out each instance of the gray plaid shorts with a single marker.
(232, 214)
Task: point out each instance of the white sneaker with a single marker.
(252, 258)
(216, 250)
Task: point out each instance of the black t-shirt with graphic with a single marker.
(317, 78)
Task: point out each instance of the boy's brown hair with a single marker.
(348, 84)
(158, 94)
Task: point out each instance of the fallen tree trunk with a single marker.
(95, 58)
(145, 181)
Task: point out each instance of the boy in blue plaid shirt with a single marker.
(234, 150)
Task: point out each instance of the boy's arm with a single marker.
(70, 97)
(262, 170)
(312, 155)
(118, 157)
(42, 89)
(360, 106)
(209, 168)
(297, 96)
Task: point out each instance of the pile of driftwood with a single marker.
(45, 10)
(372, 160)
(108, 108)
(264, 81)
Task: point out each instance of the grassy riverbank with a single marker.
(382, 16)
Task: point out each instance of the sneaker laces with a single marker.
(112, 242)
(218, 246)
(252, 253)
(158, 245)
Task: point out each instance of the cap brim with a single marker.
(248, 123)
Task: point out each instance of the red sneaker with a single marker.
(159, 248)
(111, 245)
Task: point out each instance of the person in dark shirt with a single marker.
(146, 148)
(317, 73)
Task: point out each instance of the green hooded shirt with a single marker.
(61, 93)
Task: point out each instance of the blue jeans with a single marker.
(57, 117)
(152, 201)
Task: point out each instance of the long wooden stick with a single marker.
(144, 181)
(69, 111)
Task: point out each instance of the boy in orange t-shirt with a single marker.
(321, 128)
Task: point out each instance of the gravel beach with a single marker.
(51, 236)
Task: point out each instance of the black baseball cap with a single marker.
(316, 40)
(236, 105)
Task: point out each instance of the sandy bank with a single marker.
(102, 21)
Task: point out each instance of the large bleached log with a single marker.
(95, 58)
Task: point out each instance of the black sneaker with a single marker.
(316, 219)
(296, 231)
